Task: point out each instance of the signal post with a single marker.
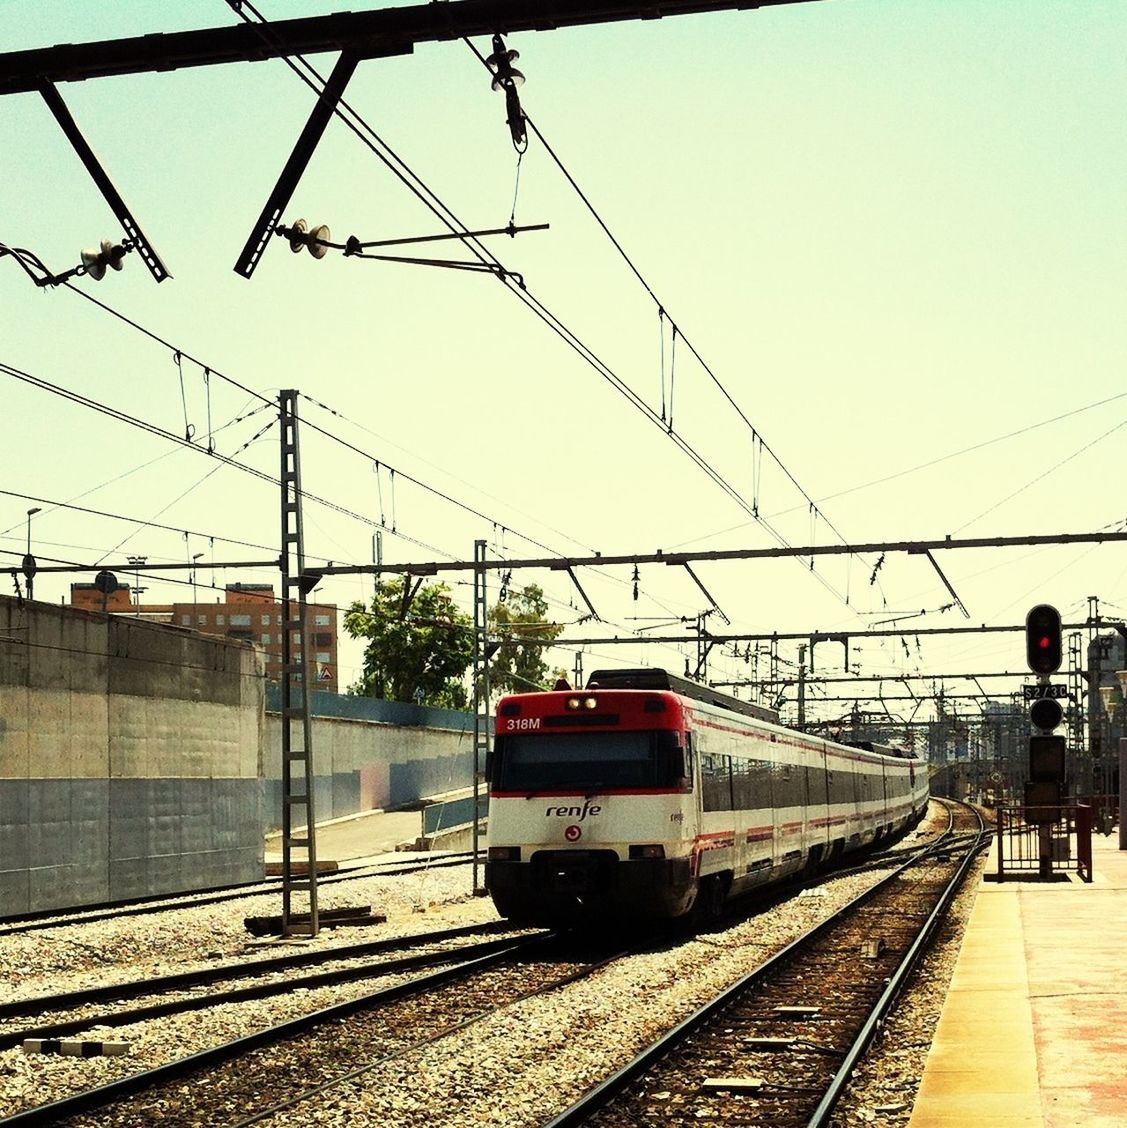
(1045, 784)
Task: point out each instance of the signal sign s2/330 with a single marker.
(1037, 692)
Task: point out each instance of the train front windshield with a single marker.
(576, 761)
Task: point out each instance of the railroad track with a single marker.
(55, 918)
(180, 993)
(243, 1081)
(778, 1047)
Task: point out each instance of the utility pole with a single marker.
(297, 725)
(29, 568)
(802, 686)
(137, 562)
(195, 558)
(481, 715)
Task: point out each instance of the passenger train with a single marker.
(647, 795)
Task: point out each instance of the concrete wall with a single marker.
(369, 754)
(130, 759)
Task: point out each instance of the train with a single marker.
(648, 796)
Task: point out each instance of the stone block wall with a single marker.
(370, 754)
(130, 758)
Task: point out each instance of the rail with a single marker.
(866, 1007)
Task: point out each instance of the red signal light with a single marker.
(1043, 639)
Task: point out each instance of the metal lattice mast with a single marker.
(297, 730)
(481, 716)
(1077, 685)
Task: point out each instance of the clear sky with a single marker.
(893, 229)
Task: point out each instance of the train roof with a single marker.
(654, 678)
(879, 749)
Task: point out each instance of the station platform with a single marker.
(1034, 1028)
(356, 837)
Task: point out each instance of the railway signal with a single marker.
(1046, 713)
(1045, 784)
(1043, 639)
(1043, 653)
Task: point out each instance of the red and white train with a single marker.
(646, 794)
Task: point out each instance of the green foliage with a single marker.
(518, 667)
(429, 649)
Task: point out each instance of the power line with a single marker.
(663, 314)
(179, 352)
(663, 311)
(1044, 474)
(160, 432)
(133, 520)
(414, 481)
(264, 402)
(374, 142)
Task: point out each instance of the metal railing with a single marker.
(1040, 841)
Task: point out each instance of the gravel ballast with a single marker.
(519, 1066)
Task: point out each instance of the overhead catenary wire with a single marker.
(181, 354)
(265, 402)
(133, 520)
(676, 329)
(375, 143)
(372, 140)
(1044, 474)
(496, 522)
(160, 432)
(195, 485)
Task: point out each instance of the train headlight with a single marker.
(582, 702)
(648, 851)
(504, 853)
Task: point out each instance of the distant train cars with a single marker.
(647, 795)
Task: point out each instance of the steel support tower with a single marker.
(1081, 764)
(297, 729)
(481, 716)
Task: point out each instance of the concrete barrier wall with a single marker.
(130, 758)
(369, 754)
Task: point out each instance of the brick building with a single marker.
(250, 612)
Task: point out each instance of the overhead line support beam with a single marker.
(102, 180)
(276, 202)
(947, 583)
(799, 636)
(707, 594)
(386, 31)
(659, 557)
(145, 568)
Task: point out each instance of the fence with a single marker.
(1038, 841)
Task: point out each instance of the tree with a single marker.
(518, 666)
(429, 648)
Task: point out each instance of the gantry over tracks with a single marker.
(779, 1046)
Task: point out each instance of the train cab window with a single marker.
(579, 760)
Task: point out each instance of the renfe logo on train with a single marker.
(579, 813)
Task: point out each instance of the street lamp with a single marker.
(29, 560)
(194, 559)
(137, 562)
(1110, 697)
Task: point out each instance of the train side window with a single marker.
(716, 783)
(687, 765)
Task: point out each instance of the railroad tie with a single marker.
(75, 1047)
(733, 1084)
